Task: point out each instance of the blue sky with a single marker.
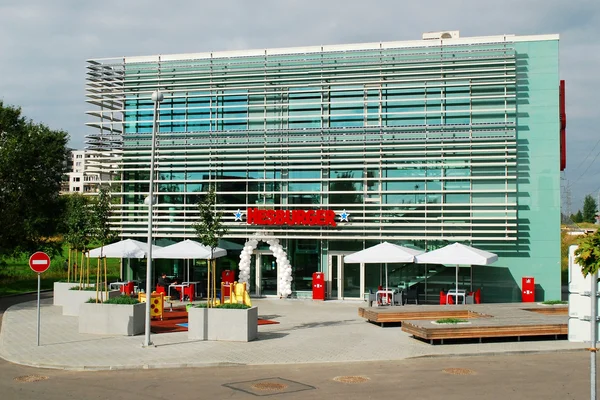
(44, 45)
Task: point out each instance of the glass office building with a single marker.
(332, 149)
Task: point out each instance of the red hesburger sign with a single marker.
(256, 216)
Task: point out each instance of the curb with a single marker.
(499, 353)
(92, 368)
(6, 296)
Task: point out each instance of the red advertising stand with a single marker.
(39, 262)
(227, 278)
(318, 286)
(528, 289)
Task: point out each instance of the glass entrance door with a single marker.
(335, 277)
(345, 281)
(268, 274)
(352, 281)
(263, 274)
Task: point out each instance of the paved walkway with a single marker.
(308, 332)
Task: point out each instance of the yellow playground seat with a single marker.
(157, 305)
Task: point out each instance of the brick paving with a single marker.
(308, 332)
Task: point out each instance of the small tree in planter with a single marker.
(588, 254)
(209, 230)
(101, 231)
(78, 225)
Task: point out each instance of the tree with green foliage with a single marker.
(577, 217)
(588, 253)
(101, 231)
(32, 164)
(590, 209)
(209, 230)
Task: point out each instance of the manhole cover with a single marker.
(351, 379)
(458, 371)
(31, 378)
(269, 386)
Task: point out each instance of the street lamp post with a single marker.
(157, 97)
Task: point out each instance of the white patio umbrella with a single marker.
(457, 254)
(188, 250)
(127, 248)
(383, 253)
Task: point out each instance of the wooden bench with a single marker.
(478, 332)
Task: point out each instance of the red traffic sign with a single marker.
(39, 262)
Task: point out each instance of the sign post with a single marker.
(39, 262)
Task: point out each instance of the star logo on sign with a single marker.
(238, 215)
(344, 216)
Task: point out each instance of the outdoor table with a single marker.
(457, 294)
(116, 285)
(177, 285)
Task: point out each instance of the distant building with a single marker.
(85, 176)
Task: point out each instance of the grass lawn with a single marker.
(16, 276)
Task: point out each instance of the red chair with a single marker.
(383, 298)
(478, 296)
(161, 289)
(189, 291)
(127, 288)
(443, 297)
(450, 299)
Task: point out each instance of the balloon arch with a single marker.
(283, 264)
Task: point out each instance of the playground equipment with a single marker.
(157, 305)
(237, 294)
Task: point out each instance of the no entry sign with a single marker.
(39, 262)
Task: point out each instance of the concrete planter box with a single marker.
(112, 319)
(75, 298)
(61, 290)
(237, 325)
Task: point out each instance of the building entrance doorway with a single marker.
(264, 276)
(344, 281)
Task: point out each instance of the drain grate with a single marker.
(31, 378)
(351, 379)
(269, 386)
(458, 371)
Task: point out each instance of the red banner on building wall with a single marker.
(563, 125)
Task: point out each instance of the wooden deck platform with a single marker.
(483, 320)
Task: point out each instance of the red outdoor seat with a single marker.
(127, 288)
(443, 297)
(161, 289)
(189, 291)
(478, 296)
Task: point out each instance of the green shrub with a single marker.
(116, 300)
(552, 302)
(450, 320)
(88, 288)
(237, 306)
(122, 300)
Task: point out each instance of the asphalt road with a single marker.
(523, 376)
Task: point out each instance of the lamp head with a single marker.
(157, 96)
